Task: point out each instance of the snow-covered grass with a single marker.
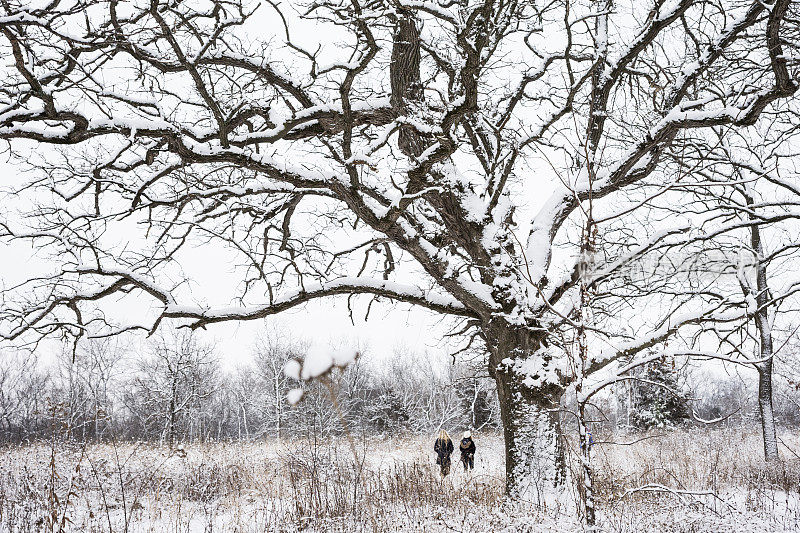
(689, 480)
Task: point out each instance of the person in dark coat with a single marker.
(467, 448)
(443, 448)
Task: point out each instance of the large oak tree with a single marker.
(429, 152)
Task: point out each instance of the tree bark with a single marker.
(586, 487)
(534, 444)
(173, 402)
(404, 74)
(763, 323)
(765, 409)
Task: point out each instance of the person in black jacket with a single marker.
(467, 448)
(443, 448)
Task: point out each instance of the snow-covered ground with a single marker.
(693, 480)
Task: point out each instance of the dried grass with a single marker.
(389, 485)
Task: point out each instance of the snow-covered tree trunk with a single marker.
(764, 369)
(535, 461)
(535, 454)
(765, 410)
(763, 323)
(278, 399)
(172, 416)
(587, 483)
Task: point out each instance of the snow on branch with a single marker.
(432, 159)
(642, 158)
(395, 291)
(669, 328)
(687, 497)
(203, 316)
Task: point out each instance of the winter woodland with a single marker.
(596, 202)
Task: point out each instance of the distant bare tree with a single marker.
(246, 401)
(172, 388)
(271, 353)
(23, 396)
(748, 212)
(96, 369)
(475, 389)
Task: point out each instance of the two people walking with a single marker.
(444, 448)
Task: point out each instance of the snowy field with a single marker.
(693, 480)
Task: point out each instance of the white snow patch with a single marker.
(294, 396)
(292, 369)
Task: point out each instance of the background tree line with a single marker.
(174, 389)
